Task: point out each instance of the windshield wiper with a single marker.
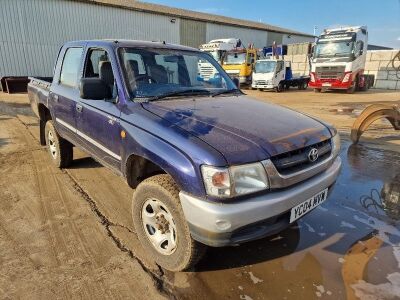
(189, 92)
(231, 91)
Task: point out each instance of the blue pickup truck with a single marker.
(208, 165)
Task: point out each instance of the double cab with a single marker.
(209, 166)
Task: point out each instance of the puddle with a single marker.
(317, 257)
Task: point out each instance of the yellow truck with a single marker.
(239, 63)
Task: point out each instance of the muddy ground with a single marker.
(68, 233)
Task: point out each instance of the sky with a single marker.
(381, 16)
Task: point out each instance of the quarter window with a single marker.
(70, 67)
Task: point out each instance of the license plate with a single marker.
(308, 205)
(326, 84)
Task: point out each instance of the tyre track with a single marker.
(161, 283)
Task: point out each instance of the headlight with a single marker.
(336, 145)
(234, 181)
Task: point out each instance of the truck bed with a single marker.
(38, 92)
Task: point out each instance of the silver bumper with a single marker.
(215, 223)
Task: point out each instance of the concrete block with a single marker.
(299, 58)
(372, 65)
(303, 66)
(386, 84)
(388, 65)
(381, 75)
(393, 75)
(368, 55)
(295, 66)
(385, 65)
(382, 54)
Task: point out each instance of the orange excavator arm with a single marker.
(373, 113)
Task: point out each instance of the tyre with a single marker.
(279, 88)
(304, 85)
(161, 225)
(61, 151)
(353, 87)
(317, 90)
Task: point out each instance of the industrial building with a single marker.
(32, 31)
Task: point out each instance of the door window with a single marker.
(70, 67)
(98, 65)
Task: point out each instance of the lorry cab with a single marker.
(217, 49)
(268, 73)
(276, 74)
(339, 58)
(239, 63)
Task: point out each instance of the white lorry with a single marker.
(217, 49)
(339, 59)
(276, 74)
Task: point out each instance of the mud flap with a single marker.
(373, 113)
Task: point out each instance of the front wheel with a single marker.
(279, 88)
(61, 151)
(317, 90)
(161, 225)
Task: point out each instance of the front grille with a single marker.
(261, 82)
(297, 160)
(330, 72)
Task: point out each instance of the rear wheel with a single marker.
(161, 225)
(303, 86)
(317, 90)
(61, 151)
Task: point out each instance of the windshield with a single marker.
(151, 73)
(265, 66)
(333, 49)
(214, 54)
(235, 59)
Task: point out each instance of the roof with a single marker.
(130, 43)
(193, 15)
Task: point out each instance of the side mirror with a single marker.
(94, 89)
(236, 82)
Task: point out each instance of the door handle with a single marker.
(79, 108)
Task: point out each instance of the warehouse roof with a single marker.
(189, 14)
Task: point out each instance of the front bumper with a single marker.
(332, 84)
(263, 86)
(223, 224)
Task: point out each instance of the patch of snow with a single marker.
(245, 297)
(388, 290)
(240, 287)
(254, 278)
(320, 288)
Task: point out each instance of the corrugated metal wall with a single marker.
(193, 33)
(294, 39)
(31, 31)
(258, 37)
(274, 36)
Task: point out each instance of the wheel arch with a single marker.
(44, 116)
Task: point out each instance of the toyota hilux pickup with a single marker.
(209, 166)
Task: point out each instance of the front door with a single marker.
(98, 121)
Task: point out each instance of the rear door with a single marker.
(64, 92)
(98, 121)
